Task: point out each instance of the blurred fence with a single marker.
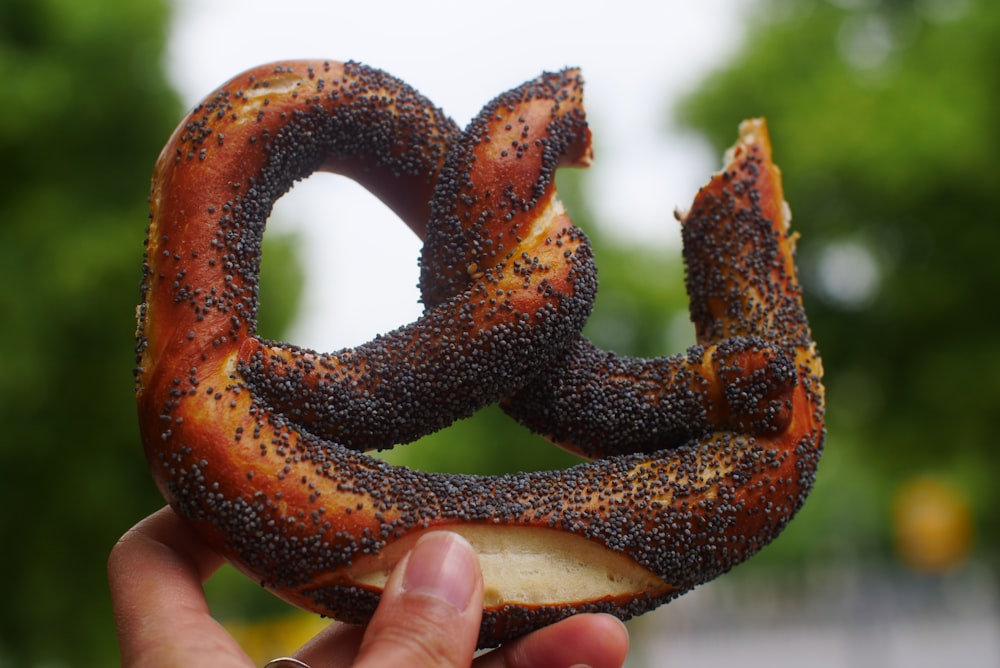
(836, 619)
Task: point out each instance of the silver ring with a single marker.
(286, 662)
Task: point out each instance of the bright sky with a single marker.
(638, 57)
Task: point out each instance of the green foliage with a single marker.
(84, 113)
(883, 121)
(85, 110)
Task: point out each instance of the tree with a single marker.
(883, 120)
(86, 108)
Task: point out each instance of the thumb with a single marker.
(431, 607)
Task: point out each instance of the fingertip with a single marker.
(431, 607)
(594, 640)
(444, 566)
(602, 642)
(163, 537)
(613, 626)
(155, 574)
(616, 638)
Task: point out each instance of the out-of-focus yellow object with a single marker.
(933, 525)
(280, 636)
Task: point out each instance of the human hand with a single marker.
(429, 613)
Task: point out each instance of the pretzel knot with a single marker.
(698, 459)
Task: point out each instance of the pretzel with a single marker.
(259, 444)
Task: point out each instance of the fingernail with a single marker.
(442, 565)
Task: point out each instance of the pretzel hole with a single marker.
(338, 266)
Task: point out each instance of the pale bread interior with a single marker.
(531, 566)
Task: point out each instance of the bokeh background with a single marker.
(884, 117)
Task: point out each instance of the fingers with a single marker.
(596, 641)
(430, 610)
(429, 616)
(336, 646)
(421, 622)
(155, 572)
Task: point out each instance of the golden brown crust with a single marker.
(256, 443)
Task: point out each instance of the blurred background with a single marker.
(883, 115)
